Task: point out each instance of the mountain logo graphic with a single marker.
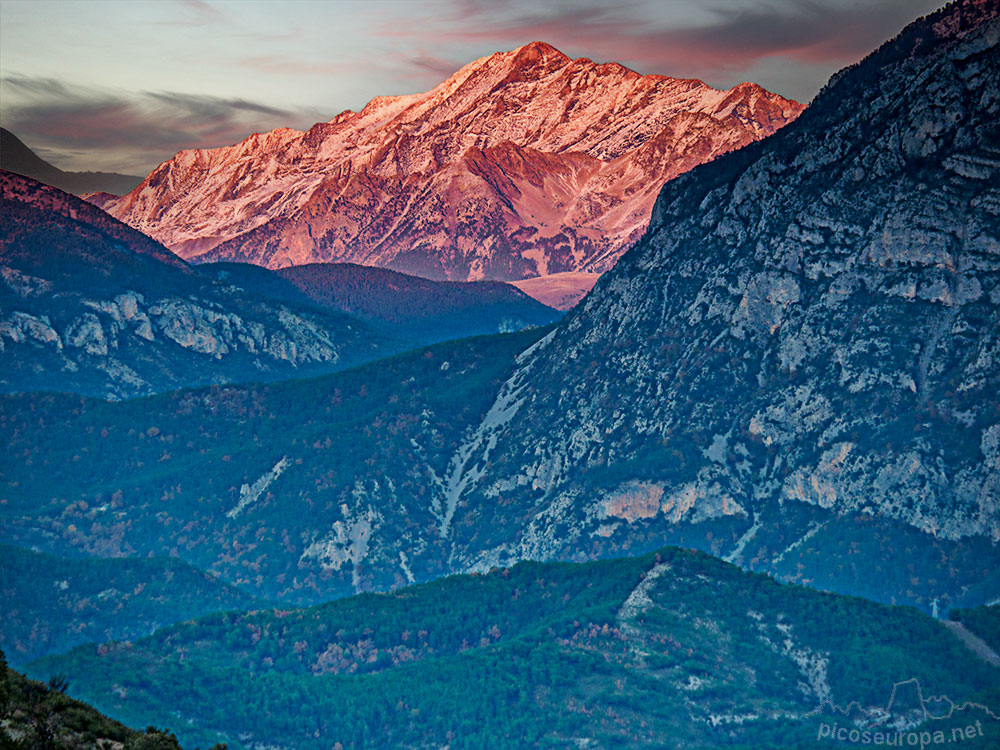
(907, 702)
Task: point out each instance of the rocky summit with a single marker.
(521, 164)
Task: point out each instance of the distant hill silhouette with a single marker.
(409, 306)
(16, 157)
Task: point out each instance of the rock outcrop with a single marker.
(89, 305)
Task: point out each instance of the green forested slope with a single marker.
(673, 649)
(192, 474)
(41, 716)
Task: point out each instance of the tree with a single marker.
(4, 685)
(154, 739)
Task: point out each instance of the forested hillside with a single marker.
(276, 487)
(672, 649)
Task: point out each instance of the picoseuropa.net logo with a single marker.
(909, 719)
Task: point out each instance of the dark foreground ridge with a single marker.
(16, 157)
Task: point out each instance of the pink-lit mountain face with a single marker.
(521, 164)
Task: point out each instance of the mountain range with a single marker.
(794, 361)
(521, 164)
(791, 370)
(92, 306)
(794, 370)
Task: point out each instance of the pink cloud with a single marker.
(735, 37)
(132, 132)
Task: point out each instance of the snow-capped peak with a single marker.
(392, 180)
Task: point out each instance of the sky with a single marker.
(122, 85)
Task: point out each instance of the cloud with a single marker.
(727, 38)
(195, 13)
(419, 64)
(812, 31)
(130, 131)
(789, 46)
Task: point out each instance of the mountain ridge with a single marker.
(418, 309)
(807, 321)
(673, 646)
(520, 164)
(85, 300)
(90, 305)
(17, 157)
(52, 604)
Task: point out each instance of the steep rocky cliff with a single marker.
(810, 327)
(521, 164)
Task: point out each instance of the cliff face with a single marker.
(521, 164)
(810, 323)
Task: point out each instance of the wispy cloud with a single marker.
(729, 36)
(131, 131)
(420, 64)
(195, 13)
(813, 31)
